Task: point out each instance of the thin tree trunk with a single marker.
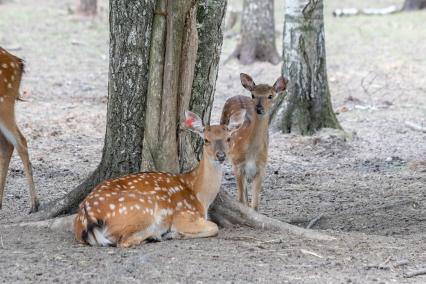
(210, 33)
(308, 105)
(88, 7)
(257, 33)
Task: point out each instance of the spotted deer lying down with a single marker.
(249, 146)
(129, 210)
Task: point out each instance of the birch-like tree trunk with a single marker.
(307, 107)
(257, 33)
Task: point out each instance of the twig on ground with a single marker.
(415, 126)
(386, 266)
(310, 253)
(414, 273)
(1, 242)
(259, 241)
(401, 263)
(314, 221)
(241, 238)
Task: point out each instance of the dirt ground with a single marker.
(369, 185)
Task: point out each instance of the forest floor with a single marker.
(369, 185)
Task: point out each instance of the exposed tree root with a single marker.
(63, 224)
(415, 273)
(225, 211)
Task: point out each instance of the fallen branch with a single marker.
(226, 208)
(63, 224)
(415, 273)
(367, 11)
(415, 126)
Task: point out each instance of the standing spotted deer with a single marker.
(249, 145)
(11, 70)
(129, 210)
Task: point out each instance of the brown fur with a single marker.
(142, 206)
(11, 70)
(249, 145)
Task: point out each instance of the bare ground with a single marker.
(369, 185)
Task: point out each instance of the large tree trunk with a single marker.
(164, 58)
(411, 5)
(257, 33)
(308, 105)
(88, 7)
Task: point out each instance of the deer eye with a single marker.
(270, 97)
(229, 139)
(206, 141)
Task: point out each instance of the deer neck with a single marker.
(206, 179)
(260, 132)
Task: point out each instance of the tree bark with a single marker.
(88, 7)
(257, 33)
(412, 5)
(307, 107)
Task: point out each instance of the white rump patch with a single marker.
(99, 237)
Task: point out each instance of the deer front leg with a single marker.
(241, 186)
(6, 150)
(134, 239)
(187, 228)
(256, 189)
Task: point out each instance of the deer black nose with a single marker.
(260, 109)
(221, 156)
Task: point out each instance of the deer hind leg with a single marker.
(187, 227)
(15, 137)
(241, 186)
(23, 153)
(6, 150)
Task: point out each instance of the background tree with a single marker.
(410, 5)
(257, 33)
(308, 105)
(88, 7)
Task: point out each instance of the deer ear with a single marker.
(236, 120)
(247, 82)
(193, 123)
(280, 85)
